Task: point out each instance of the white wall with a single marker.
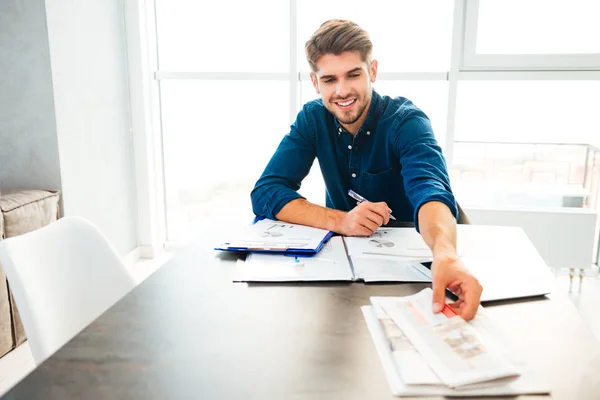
(28, 142)
(89, 74)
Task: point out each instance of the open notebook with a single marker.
(330, 264)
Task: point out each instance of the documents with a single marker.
(401, 255)
(330, 264)
(440, 354)
(389, 255)
(280, 237)
(395, 242)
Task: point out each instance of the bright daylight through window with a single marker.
(232, 80)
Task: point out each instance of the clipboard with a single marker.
(269, 236)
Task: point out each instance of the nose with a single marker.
(341, 89)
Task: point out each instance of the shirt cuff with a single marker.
(279, 200)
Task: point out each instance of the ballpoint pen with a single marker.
(360, 199)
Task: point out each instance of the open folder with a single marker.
(330, 264)
(401, 255)
(269, 236)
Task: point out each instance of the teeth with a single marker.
(346, 103)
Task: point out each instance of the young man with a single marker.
(381, 148)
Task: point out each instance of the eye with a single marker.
(329, 80)
(354, 75)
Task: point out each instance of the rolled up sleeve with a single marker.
(281, 179)
(424, 168)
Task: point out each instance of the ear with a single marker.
(315, 82)
(373, 70)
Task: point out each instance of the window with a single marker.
(512, 89)
(532, 34)
(221, 36)
(528, 111)
(525, 143)
(216, 145)
(538, 27)
(406, 35)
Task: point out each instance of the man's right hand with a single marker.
(364, 219)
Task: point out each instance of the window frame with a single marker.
(465, 64)
(472, 61)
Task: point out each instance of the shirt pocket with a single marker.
(382, 186)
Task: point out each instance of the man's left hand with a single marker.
(449, 272)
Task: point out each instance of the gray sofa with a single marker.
(21, 211)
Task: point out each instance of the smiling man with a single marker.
(380, 147)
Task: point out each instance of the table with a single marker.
(189, 332)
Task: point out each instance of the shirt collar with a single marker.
(372, 116)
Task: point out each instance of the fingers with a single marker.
(456, 290)
(471, 304)
(381, 210)
(462, 283)
(469, 293)
(375, 218)
(369, 224)
(439, 294)
(457, 306)
(367, 217)
(357, 229)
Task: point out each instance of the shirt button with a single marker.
(354, 175)
(349, 147)
(340, 130)
(368, 133)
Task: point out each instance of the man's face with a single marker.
(344, 82)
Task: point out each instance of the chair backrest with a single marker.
(462, 216)
(63, 276)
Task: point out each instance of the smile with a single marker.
(345, 104)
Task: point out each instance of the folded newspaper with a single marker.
(440, 354)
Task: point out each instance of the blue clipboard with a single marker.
(288, 251)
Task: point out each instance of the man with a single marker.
(381, 148)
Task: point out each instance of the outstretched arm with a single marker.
(438, 229)
(428, 187)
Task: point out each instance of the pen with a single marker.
(360, 199)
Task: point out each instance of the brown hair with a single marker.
(335, 37)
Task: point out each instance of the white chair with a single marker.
(63, 276)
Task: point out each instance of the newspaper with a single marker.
(452, 348)
(408, 373)
(410, 364)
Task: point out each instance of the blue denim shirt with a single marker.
(394, 157)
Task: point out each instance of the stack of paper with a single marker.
(440, 354)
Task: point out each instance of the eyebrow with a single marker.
(357, 69)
